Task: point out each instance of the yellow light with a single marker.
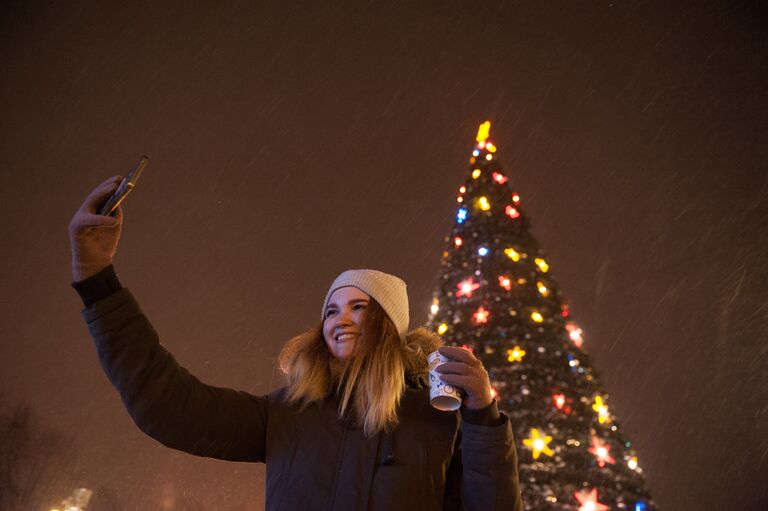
(442, 328)
(538, 443)
(538, 318)
(483, 203)
(632, 463)
(489, 157)
(472, 160)
(476, 173)
(516, 354)
(434, 308)
(512, 254)
(483, 131)
(542, 289)
(462, 189)
(542, 264)
(491, 148)
(602, 410)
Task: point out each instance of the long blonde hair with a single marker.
(370, 383)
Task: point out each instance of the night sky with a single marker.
(290, 142)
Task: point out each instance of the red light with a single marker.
(505, 282)
(516, 198)
(481, 315)
(512, 212)
(499, 178)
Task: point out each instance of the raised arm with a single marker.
(164, 399)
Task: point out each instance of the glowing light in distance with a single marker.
(512, 212)
(481, 315)
(442, 328)
(483, 203)
(512, 254)
(482, 251)
(505, 282)
(462, 215)
(476, 173)
(542, 264)
(466, 287)
(499, 178)
(457, 241)
(535, 316)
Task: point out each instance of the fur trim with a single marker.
(419, 343)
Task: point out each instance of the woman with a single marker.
(352, 429)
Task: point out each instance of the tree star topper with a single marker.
(484, 131)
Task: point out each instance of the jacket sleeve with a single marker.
(165, 401)
(483, 472)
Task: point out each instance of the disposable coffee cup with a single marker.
(442, 396)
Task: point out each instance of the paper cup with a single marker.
(442, 396)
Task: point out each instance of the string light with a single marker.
(490, 147)
(516, 199)
(512, 212)
(537, 317)
(482, 251)
(462, 189)
(457, 241)
(499, 178)
(505, 282)
(476, 173)
(483, 203)
(489, 157)
(475, 152)
(543, 291)
(542, 264)
(462, 215)
(435, 306)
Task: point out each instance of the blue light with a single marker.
(640, 506)
(475, 152)
(482, 251)
(462, 215)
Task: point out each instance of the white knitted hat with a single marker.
(386, 289)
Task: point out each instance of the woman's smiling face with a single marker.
(343, 320)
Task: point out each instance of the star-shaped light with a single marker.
(602, 410)
(574, 333)
(484, 131)
(602, 452)
(512, 212)
(512, 254)
(481, 315)
(516, 354)
(499, 178)
(505, 282)
(466, 287)
(589, 501)
(538, 444)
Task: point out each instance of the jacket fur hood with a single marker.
(419, 343)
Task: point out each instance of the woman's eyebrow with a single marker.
(351, 302)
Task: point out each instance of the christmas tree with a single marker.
(496, 296)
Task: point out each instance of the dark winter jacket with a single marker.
(432, 460)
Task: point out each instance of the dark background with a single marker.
(290, 141)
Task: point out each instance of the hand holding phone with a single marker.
(125, 187)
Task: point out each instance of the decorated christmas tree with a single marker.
(496, 296)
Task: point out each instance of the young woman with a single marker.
(352, 429)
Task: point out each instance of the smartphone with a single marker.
(126, 186)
